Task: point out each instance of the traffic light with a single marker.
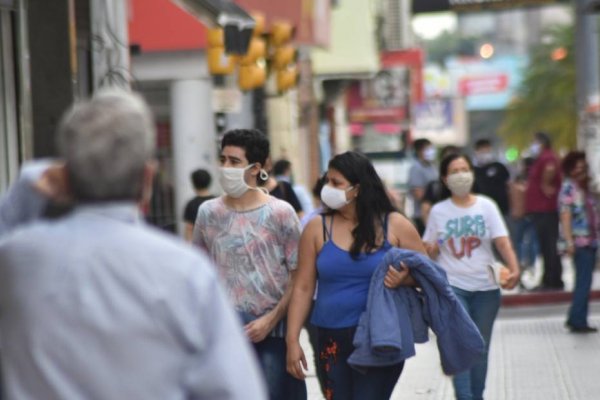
(284, 56)
(252, 71)
(219, 63)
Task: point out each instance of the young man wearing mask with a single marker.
(541, 204)
(421, 173)
(253, 238)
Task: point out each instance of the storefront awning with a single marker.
(235, 21)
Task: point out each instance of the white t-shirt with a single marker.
(465, 235)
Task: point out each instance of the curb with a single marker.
(550, 297)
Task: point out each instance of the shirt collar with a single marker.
(283, 178)
(126, 211)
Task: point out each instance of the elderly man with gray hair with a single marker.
(97, 305)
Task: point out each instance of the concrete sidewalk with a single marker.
(523, 295)
(532, 357)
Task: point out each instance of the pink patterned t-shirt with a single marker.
(254, 250)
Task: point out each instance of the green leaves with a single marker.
(546, 100)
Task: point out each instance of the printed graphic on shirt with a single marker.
(463, 235)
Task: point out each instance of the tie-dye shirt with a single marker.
(254, 250)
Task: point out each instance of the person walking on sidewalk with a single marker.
(422, 171)
(97, 304)
(579, 235)
(340, 250)
(459, 235)
(253, 237)
(201, 180)
(541, 204)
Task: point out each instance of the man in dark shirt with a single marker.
(434, 190)
(280, 186)
(491, 176)
(201, 180)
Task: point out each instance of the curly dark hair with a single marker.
(201, 179)
(254, 142)
(372, 201)
(570, 161)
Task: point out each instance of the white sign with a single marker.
(227, 100)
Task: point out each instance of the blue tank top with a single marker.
(343, 282)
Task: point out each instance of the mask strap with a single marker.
(263, 175)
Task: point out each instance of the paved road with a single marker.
(532, 357)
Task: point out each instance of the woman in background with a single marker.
(579, 234)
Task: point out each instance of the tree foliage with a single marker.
(546, 100)
(448, 43)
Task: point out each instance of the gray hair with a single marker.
(106, 142)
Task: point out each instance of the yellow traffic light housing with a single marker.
(219, 63)
(251, 76)
(252, 71)
(286, 79)
(259, 20)
(284, 56)
(281, 33)
(256, 50)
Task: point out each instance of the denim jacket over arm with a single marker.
(396, 319)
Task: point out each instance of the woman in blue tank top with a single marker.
(340, 250)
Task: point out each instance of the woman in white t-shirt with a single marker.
(460, 233)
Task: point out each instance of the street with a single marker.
(532, 357)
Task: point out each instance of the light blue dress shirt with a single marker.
(97, 305)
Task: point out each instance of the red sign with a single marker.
(485, 84)
(414, 60)
(386, 97)
(381, 99)
(160, 25)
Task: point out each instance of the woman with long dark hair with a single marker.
(579, 235)
(340, 250)
(460, 233)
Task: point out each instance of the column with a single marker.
(193, 135)
(588, 86)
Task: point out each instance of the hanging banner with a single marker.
(384, 98)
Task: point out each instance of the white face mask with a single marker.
(460, 183)
(484, 158)
(535, 149)
(334, 198)
(233, 182)
(429, 154)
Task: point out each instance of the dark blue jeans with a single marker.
(585, 262)
(482, 307)
(342, 382)
(271, 354)
(524, 240)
